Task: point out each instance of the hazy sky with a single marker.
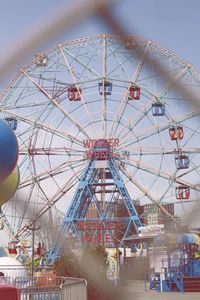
(173, 23)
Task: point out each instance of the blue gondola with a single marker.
(158, 109)
(12, 122)
(182, 161)
(107, 88)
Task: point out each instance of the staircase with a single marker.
(178, 278)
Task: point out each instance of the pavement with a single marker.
(135, 290)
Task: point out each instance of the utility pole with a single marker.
(33, 229)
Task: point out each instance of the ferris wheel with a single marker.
(95, 90)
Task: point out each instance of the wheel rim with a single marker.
(51, 129)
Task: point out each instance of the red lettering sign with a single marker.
(98, 238)
(101, 143)
(95, 147)
(86, 225)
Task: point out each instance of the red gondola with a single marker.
(134, 93)
(176, 133)
(74, 94)
(182, 192)
(40, 251)
(12, 247)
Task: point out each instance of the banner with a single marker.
(113, 269)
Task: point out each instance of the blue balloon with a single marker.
(8, 150)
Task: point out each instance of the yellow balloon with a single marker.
(9, 186)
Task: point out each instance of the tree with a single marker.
(67, 265)
(91, 265)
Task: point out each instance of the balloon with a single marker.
(8, 150)
(9, 186)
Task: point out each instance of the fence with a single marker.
(71, 289)
(13, 272)
(42, 293)
(48, 287)
(173, 280)
(74, 290)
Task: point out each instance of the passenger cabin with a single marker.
(176, 133)
(134, 93)
(128, 43)
(12, 122)
(182, 161)
(122, 164)
(41, 60)
(158, 109)
(107, 86)
(40, 250)
(74, 93)
(12, 247)
(182, 192)
(126, 153)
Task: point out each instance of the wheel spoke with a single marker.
(77, 87)
(64, 189)
(148, 194)
(160, 95)
(91, 70)
(43, 126)
(154, 130)
(56, 104)
(59, 169)
(50, 151)
(119, 114)
(72, 147)
(164, 175)
(103, 116)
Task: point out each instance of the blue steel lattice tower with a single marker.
(100, 178)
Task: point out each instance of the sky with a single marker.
(173, 24)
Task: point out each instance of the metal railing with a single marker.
(48, 287)
(70, 289)
(6, 280)
(39, 281)
(41, 293)
(13, 272)
(171, 281)
(74, 290)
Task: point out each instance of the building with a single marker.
(150, 214)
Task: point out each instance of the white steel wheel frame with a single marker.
(51, 129)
